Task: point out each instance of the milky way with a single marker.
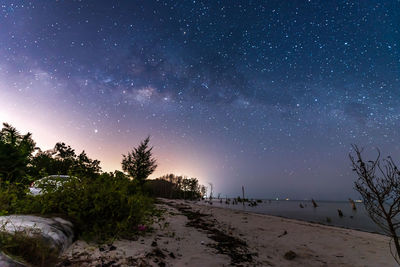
(266, 94)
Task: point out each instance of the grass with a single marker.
(28, 246)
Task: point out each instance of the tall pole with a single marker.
(243, 194)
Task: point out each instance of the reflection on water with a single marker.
(325, 213)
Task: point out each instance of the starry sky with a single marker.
(265, 94)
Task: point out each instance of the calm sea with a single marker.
(325, 213)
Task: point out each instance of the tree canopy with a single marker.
(15, 153)
(140, 163)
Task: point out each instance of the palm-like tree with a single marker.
(15, 153)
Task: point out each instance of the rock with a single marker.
(57, 231)
(284, 233)
(6, 261)
(290, 255)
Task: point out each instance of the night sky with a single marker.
(265, 94)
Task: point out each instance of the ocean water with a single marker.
(326, 212)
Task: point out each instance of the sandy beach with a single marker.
(190, 234)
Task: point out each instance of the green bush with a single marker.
(10, 197)
(28, 247)
(101, 208)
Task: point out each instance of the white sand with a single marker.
(177, 244)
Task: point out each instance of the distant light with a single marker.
(96, 131)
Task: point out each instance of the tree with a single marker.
(15, 154)
(86, 166)
(62, 159)
(173, 186)
(379, 185)
(139, 163)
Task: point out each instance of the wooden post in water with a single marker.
(243, 194)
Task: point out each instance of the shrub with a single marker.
(28, 247)
(101, 208)
(10, 197)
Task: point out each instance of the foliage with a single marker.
(139, 163)
(15, 154)
(379, 185)
(173, 186)
(29, 247)
(100, 208)
(101, 205)
(62, 159)
(10, 197)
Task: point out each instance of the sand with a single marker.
(189, 234)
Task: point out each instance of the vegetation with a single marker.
(139, 163)
(63, 160)
(15, 154)
(101, 205)
(173, 186)
(379, 185)
(100, 208)
(29, 247)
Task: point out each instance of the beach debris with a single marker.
(227, 200)
(290, 255)
(252, 203)
(340, 212)
(301, 206)
(157, 253)
(284, 233)
(314, 203)
(154, 244)
(353, 204)
(202, 242)
(234, 247)
(172, 255)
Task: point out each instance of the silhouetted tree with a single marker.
(139, 163)
(85, 166)
(172, 186)
(62, 159)
(15, 154)
(379, 185)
